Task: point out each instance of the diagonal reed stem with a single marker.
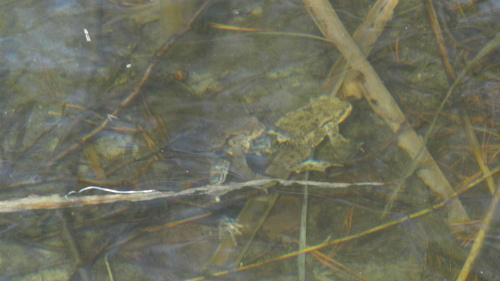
(386, 107)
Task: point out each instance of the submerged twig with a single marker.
(59, 201)
(431, 13)
(471, 136)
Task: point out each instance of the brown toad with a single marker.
(236, 139)
(300, 131)
(297, 134)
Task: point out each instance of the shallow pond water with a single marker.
(249, 140)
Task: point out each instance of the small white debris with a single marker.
(87, 36)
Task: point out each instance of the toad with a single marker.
(300, 131)
(297, 134)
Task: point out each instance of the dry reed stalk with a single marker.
(386, 107)
(365, 37)
(481, 234)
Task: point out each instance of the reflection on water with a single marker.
(176, 96)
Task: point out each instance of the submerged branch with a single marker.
(70, 200)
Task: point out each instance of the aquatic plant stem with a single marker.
(301, 259)
(476, 150)
(431, 13)
(478, 242)
(386, 107)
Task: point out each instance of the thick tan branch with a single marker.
(385, 106)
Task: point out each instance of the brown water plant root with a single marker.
(385, 106)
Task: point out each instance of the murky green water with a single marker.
(178, 141)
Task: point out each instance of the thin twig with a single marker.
(471, 136)
(431, 13)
